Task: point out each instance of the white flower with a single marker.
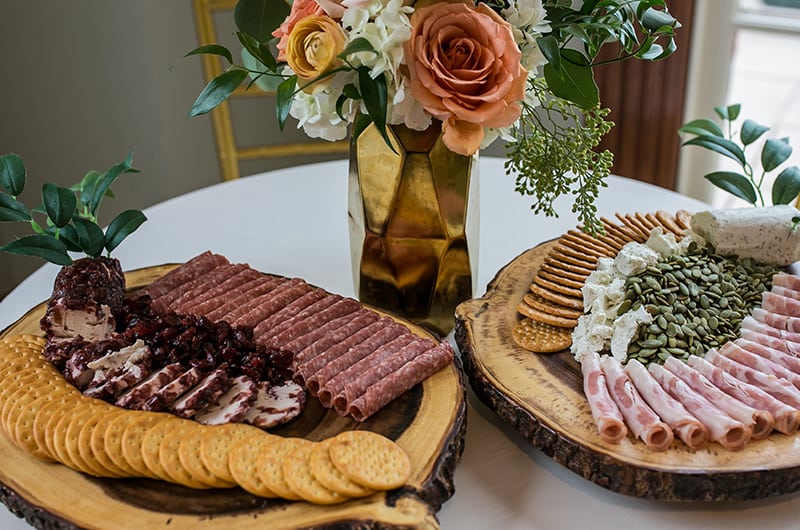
(527, 18)
(405, 109)
(316, 112)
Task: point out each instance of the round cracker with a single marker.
(301, 480)
(216, 443)
(540, 337)
(71, 440)
(537, 302)
(24, 428)
(47, 411)
(370, 459)
(191, 457)
(87, 453)
(328, 475)
(243, 463)
(150, 446)
(270, 466)
(170, 459)
(546, 317)
(129, 444)
(102, 448)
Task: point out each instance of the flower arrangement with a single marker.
(520, 70)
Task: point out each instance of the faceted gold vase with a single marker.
(413, 215)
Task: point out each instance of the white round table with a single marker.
(293, 222)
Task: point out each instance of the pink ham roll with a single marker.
(760, 421)
(728, 432)
(787, 327)
(734, 351)
(640, 418)
(688, 428)
(605, 411)
(774, 350)
(774, 338)
(782, 305)
(779, 388)
(787, 419)
(786, 280)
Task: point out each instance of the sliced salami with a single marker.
(193, 268)
(393, 386)
(267, 329)
(606, 413)
(202, 304)
(307, 301)
(213, 278)
(334, 332)
(252, 312)
(251, 296)
(165, 302)
(307, 325)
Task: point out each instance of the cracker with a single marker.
(566, 272)
(301, 480)
(216, 443)
(634, 224)
(668, 221)
(683, 218)
(370, 459)
(24, 428)
(128, 443)
(150, 446)
(546, 317)
(17, 402)
(319, 461)
(557, 287)
(599, 242)
(622, 233)
(72, 435)
(569, 301)
(190, 455)
(106, 443)
(170, 459)
(244, 464)
(270, 466)
(87, 453)
(581, 248)
(568, 255)
(537, 302)
(47, 411)
(552, 277)
(540, 337)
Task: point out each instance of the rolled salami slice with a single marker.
(397, 383)
(776, 320)
(334, 332)
(775, 386)
(728, 432)
(310, 322)
(775, 350)
(171, 301)
(640, 418)
(228, 287)
(688, 428)
(302, 306)
(606, 413)
(277, 299)
(251, 297)
(734, 351)
(761, 422)
(787, 419)
(193, 268)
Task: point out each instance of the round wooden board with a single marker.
(428, 421)
(541, 396)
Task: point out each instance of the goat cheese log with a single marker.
(640, 418)
(606, 413)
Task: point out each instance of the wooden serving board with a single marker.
(541, 396)
(428, 421)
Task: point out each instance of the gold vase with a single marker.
(413, 216)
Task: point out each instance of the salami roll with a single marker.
(302, 326)
(375, 367)
(606, 413)
(304, 305)
(170, 300)
(687, 427)
(335, 331)
(643, 422)
(201, 304)
(389, 388)
(281, 296)
(251, 297)
(760, 421)
(728, 432)
(787, 419)
(193, 268)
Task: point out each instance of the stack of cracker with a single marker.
(550, 309)
(46, 416)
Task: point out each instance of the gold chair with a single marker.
(230, 154)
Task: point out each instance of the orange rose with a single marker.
(313, 46)
(465, 70)
(300, 10)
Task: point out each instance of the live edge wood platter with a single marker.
(541, 396)
(428, 421)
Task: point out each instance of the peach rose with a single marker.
(335, 8)
(313, 46)
(465, 70)
(300, 10)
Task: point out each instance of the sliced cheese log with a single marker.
(728, 432)
(787, 418)
(275, 405)
(231, 406)
(760, 421)
(764, 234)
(639, 417)
(606, 413)
(688, 428)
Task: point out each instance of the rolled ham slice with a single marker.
(779, 388)
(782, 305)
(790, 326)
(769, 349)
(728, 432)
(787, 419)
(688, 428)
(761, 422)
(639, 417)
(606, 413)
(786, 280)
(734, 351)
(774, 338)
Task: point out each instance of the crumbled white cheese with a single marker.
(625, 330)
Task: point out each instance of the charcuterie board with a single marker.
(428, 422)
(541, 396)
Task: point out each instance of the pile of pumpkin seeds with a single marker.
(698, 301)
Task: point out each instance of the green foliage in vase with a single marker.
(67, 216)
(731, 143)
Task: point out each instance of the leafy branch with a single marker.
(70, 214)
(747, 184)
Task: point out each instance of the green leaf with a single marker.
(283, 99)
(89, 237)
(730, 113)
(59, 203)
(212, 49)
(122, 226)
(360, 124)
(13, 210)
(258, 50)
(12, 173)
(701, 127)
(68, 235)
(40, 246)
(551, 50)
(651, 53)
(357, 46)
(775, 153)
(217, 91)
(719, 145)
(735, 184)
(786, 187)
(259, 18)
(751, 131)
(574, 82)
(375, 96)
(267, 83)
(104, 181)
(653, 19)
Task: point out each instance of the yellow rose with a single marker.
(313, 45)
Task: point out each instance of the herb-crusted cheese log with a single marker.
(764, 234)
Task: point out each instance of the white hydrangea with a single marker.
(316, 112)
(528, 20)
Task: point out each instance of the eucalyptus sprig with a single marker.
(69, 215)
(730, 143)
